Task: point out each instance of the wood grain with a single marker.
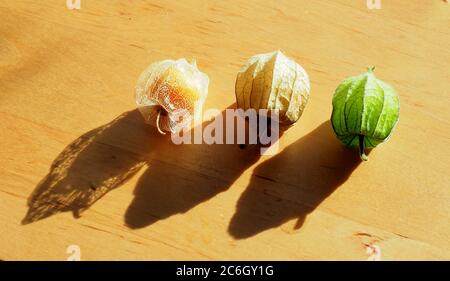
(79, 166)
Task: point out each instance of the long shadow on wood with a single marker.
(104, 158)
(293, 183)
(178, 183)
(93, 165)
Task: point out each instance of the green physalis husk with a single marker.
(365, 111)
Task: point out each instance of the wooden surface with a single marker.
(79, 166)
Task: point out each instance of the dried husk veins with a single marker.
(273, 81)
(365, 111)
(167, 86)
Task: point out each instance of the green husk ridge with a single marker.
(365, 111)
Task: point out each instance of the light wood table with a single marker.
(79, 166)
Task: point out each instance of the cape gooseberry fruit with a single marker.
(167, 93)
(365, 111)
(273, 81)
